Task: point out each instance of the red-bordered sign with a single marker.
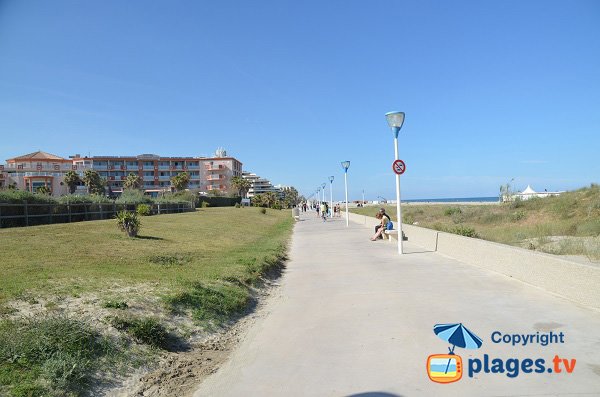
(399, 167)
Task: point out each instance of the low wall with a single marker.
(572, 280)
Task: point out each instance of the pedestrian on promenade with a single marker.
(324, 211)
(317, 208)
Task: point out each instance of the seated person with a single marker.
(379, 229)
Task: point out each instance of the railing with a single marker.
(25, 214)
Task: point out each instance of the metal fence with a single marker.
(27, 214)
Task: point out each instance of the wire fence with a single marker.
(27, 214)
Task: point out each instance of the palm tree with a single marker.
(72, 180)
(181, 181)
(241, 185)
(44, 190)
(94, 183)
(132, 181)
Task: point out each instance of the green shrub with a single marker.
(90, 198)
(452, 210)
(115, 304)
(19, 196)
(133, 196)
(237, 205)
(145, 330)
(463, 231)
(518, 215)
(205, 204)
(128, 222)
(178, 197)
(143, 210)
(263, 210)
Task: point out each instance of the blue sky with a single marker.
(492, 90)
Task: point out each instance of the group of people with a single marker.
(324, 211)
(385, 224)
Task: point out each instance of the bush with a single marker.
(205, 204)
(91, 198)
(517, 216)
(263, 210)
(115, 304)
(452, 210)
(19, 196)
(463, 231)
(145, 330)
(237, 205)
(143, 210)
(133, 196)
(178, 197)
(128, 222)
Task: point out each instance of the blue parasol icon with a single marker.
(458, 335)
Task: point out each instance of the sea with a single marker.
(455, 200)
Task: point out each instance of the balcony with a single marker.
(214, 167)
(218, 177)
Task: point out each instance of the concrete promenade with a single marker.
(352, 317)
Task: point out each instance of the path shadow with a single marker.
(374, 394)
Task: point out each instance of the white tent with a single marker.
(528, 191)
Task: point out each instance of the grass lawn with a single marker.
(172, 250)
(568, 224)
(199, 266)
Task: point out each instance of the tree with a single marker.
(268, 199)
(94, 183)
(290, 197)
(43, 190)
(132, 181)
(180, 181)
(241, 185)
(72, 180)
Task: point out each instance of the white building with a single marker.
(258, 185)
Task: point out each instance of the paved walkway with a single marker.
(354, 318)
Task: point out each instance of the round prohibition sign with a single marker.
(399, 167)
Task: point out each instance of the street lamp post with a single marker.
(323, 189)
(395, 121)
(345, 166)
(331, 196)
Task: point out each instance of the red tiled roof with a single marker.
(39, 155)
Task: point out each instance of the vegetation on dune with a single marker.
(52, 355)
(568, 224)
(203, 264)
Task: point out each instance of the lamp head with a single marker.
(345, 165)
(395, 121)
(331, 179)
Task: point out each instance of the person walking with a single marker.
(324, 211)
